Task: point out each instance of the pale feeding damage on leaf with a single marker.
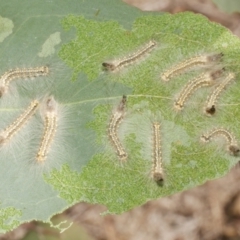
(50, 128)
(190, 63)
(232, 144)
(157, 168)
(204, 80)
(115, 121)
(211, 101)
(115, 65)
(13, 128)
(19, 73)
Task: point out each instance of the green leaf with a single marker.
(82, 164)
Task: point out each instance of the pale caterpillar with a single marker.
(17, 73)
(231, 142)
(211, 101)
(50, 128)
(189, 63)
(203, 80)
(120, 63)
(157, 168)
(13, 128)
(115, 121)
